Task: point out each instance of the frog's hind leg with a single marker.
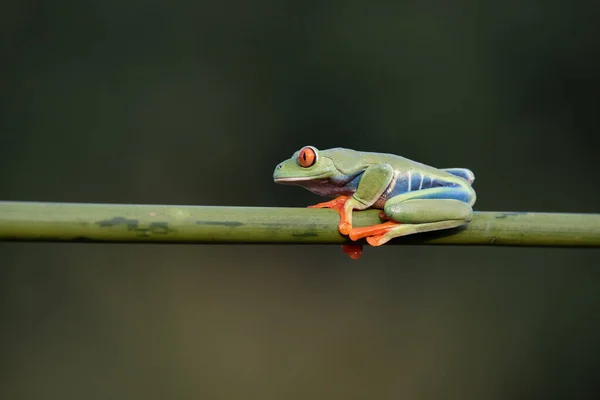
(398, 230)
(418, 215)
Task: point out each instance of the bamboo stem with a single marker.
(122, 223)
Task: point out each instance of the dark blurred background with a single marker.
(195, 102)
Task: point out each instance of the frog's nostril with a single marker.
(279, 166)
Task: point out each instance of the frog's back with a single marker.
(404, 166)
(411, 175)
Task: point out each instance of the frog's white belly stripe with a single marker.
(408, 187)
(421, 184)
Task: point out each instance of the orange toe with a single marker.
(345, 228)
(373, 230)
(376, 240)
(337, 203)
(353, 250)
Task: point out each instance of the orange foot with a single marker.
(373, 233)
(338, 204)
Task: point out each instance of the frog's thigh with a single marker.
(421, 215)
(420, 211)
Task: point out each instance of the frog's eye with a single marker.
(307, 156)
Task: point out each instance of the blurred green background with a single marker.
(195, 102)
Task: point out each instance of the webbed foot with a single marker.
(366, 231)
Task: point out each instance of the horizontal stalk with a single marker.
(124, 223)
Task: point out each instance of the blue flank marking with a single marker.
(401, 186)
(450, 191)
(402, 183)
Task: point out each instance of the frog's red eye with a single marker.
(307, 157)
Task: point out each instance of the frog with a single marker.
(412, 197)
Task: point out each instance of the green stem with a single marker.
(73, 222)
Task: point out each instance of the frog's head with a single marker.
(305, 166)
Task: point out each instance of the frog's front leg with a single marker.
(336, 204)
(373, 182)
(420, 211)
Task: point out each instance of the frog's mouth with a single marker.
(293, 179)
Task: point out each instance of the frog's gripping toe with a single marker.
(336, 204)
(376, 236)
(353, 250)
(373, 230)
(378, 240)
(345, 228)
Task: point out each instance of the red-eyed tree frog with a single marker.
(414, 197)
